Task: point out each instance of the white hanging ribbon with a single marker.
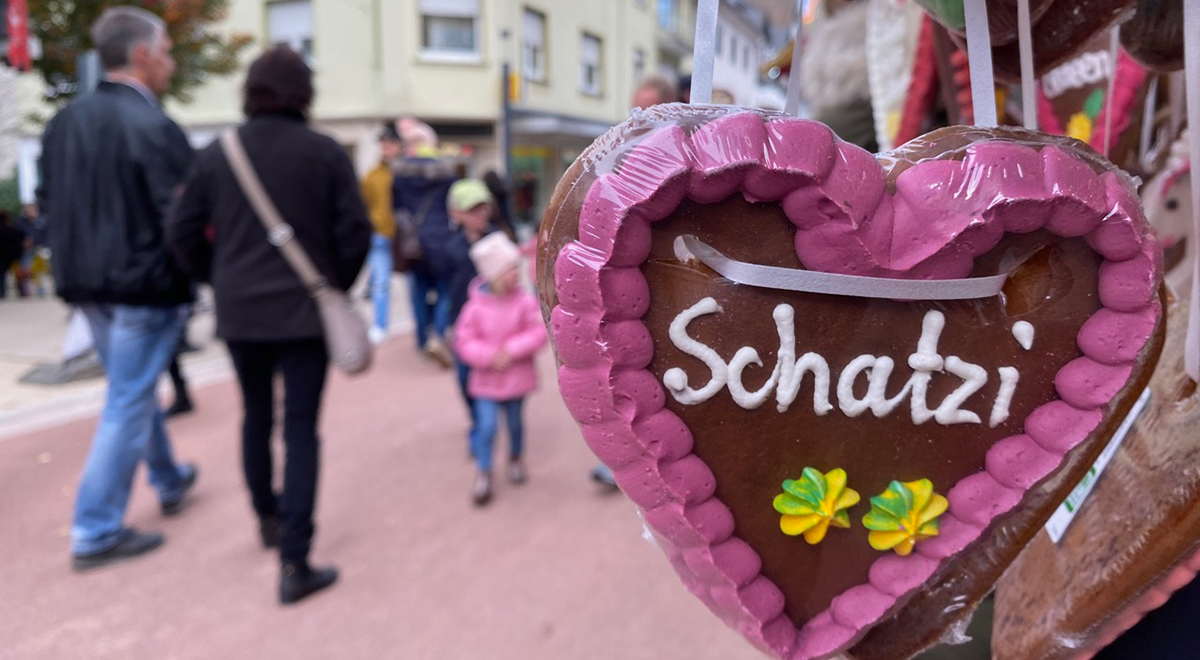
(1147, 133)
(792, 105)
(704, 50)
(979, 52)
(811, 281)
(1028, 81)
(1114, 51)
(1191, 52)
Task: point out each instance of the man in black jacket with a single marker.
(111, 166)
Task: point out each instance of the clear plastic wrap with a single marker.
(1134, 542)
(976, 415)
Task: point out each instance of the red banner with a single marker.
(18, 35)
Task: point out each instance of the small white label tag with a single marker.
(1056, 527)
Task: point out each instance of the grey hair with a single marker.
(119, 30)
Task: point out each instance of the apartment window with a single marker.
(719, 42)
(450, 30)
(290, 23)
(533, 45)
(746, 57)
(589, 64)
(733, 49)
(668, 13)
(641, 4)
(639, 64)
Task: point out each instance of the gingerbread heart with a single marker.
(1135, 539)
(1154, 34)
(1059, 28)
(809, 462)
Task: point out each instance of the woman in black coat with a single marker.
(264, 313)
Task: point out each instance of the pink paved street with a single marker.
(554, 569)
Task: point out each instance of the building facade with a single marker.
(572, 69)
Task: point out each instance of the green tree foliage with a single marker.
(200, 51)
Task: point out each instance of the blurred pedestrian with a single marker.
(182, 403)
(111, 166)
(497, 335)
(502, 217)
(29, 277)
(12, 245)
(377, 193)
(653, 90)
(685, 89)
(266, 316)
(419, 190)
(470, 206)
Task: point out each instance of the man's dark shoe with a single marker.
(299, 582)
(182, 406)
(175, 506)
(133, 545)
(271, 532)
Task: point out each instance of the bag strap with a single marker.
(279, 232)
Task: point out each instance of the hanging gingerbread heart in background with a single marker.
(1167, 200)
(1154, 34)
(1134, 541)
(1073, 100)
(1059, 29)
(929, 431)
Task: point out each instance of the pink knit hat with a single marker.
(494, 255)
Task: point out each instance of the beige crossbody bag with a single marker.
(345, 331)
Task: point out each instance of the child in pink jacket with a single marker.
(497, 335)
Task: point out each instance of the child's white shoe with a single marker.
(516, 472)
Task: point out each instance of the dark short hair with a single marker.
(279, 82)
(119, 30)
(389, 132)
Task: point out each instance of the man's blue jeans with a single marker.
(487, 422)
(379, 263)
(135, 344)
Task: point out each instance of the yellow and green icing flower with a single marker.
(814, 502)
(904, 514)
(1082, 124)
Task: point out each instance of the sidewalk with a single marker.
(32, 331)
(552, 570)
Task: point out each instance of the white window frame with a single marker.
(286, 20)
(469, 9)
(585, 41)
(534, 64)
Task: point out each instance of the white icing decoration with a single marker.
(788, 373)
(974, 377)
(925, 361)
(791, 370)
(1023, 332)
(1008, 385)
(675, 378)
(749, 400)
(851, 406)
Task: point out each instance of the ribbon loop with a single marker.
(811, 281)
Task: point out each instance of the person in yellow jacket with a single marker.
(377, 193)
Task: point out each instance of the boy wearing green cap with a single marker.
(469, 203)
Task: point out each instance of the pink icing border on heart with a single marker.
(834, 194)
